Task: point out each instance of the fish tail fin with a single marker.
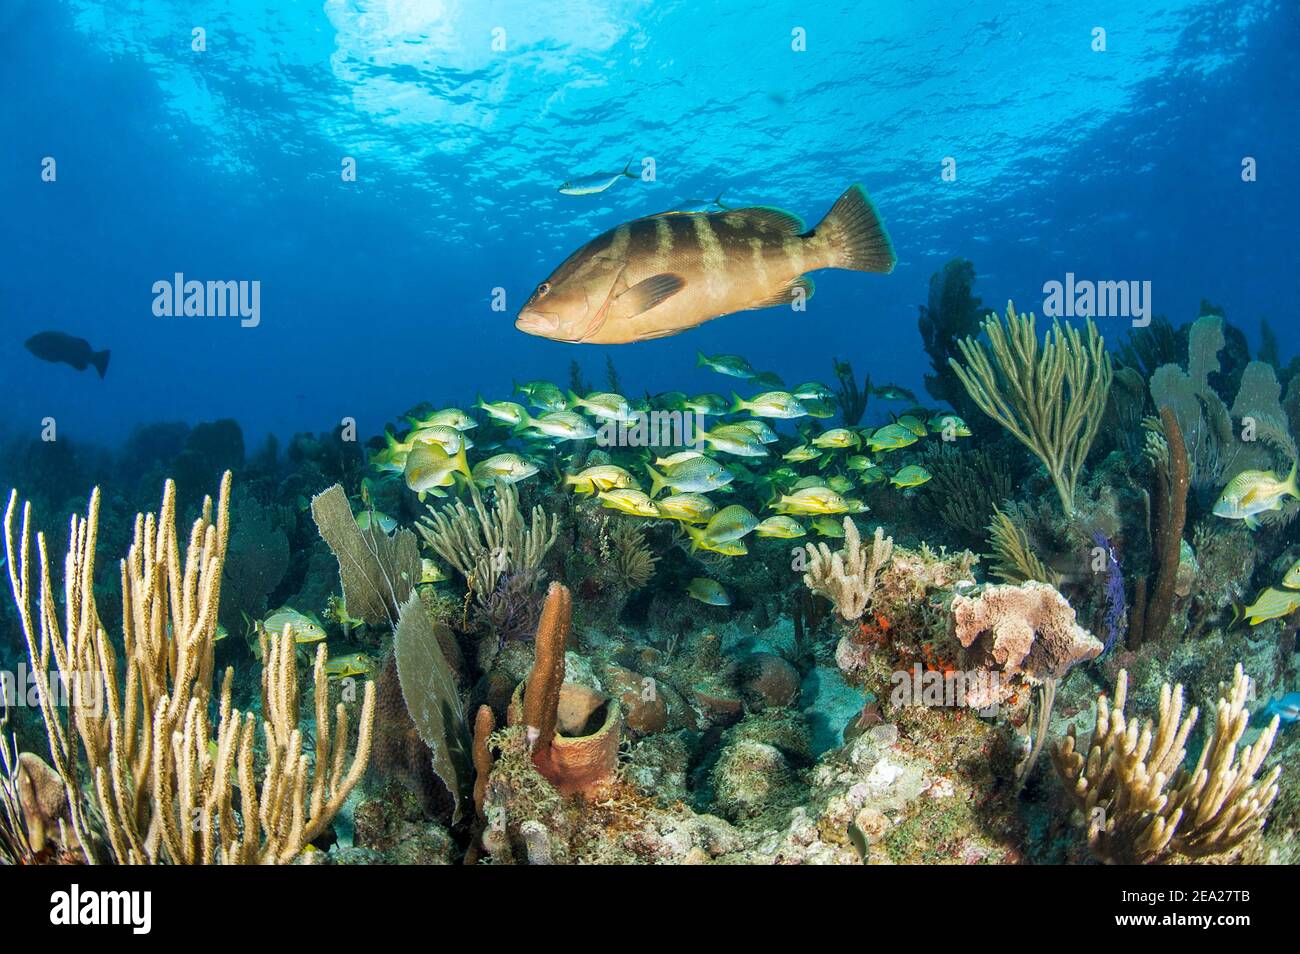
(737, 403)
(627, 167)
(1289, 486)
(1238, 614)
(857, 238)
(574, 399)
(462, 465)
(389, 440)
(657, 481)
(100, 360)
(696, 534)
(700, 361)
(718, 200)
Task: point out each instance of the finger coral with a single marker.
(1143, 805)
(848, 576)
(163, 783)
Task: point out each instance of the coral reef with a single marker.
(377, 570)
(1013, 559)
(485, 546)
(1143, 805)
(950, 314)
(1217, 449)
(432, 697)
(1168, 455)
(163, 783)
(966, 488)
(1027, 630)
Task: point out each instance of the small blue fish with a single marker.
(1287, 708)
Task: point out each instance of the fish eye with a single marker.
(543, 288)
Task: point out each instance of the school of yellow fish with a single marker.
(670, 456)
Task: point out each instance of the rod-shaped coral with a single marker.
(542, 694)
(1050, 397)
(848, 576)
(1168, 455)
(162, 782)
(1141, 803)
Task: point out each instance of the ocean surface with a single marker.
(226, 163)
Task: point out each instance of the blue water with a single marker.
(376, 294)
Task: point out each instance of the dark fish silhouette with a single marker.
(60, 348)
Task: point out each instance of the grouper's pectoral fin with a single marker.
(647, 293)
(602, 270)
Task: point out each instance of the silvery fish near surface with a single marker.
(596, 183)
(663, 274)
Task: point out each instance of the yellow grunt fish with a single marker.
(688, 508)
(1253, 492)
(780, 527)
(1272, 604)
(628, 501)
(600, 477)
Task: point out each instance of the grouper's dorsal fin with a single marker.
(766, 219)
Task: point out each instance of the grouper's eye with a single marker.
(542, 289)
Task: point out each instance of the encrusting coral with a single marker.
(848, 576)
(1027, 630)
(1142, 805)
(1051, 397)
(163, 784)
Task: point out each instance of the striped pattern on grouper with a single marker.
(665, 273)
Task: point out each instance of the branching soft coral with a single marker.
(1143, 805)
(1049, 395)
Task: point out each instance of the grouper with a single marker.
(665, 273)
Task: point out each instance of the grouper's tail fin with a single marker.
(857, 237)
(100, 360)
